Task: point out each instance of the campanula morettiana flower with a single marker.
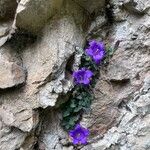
(82, 76)
(96, 51)
(79, 135)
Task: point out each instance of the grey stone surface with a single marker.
(7, 9)
(25, 119)
(124, 84)
(52, 133)
(10, 138)
(46, 64)
(32, 15)
(56, 48)
(133, 130)
(91, 6)
(6, 29)
(11, 73)
(7, 15)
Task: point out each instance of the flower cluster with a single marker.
(96, 51)
(83, 77)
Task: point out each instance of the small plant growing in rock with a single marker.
(82, 93)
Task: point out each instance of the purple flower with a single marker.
(96, 51)
(82, 76)
(79, 135)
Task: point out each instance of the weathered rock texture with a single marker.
(39, 43)
(93, 6)
(7, 13)
(12, 74)
(32, 15)
(119, 118)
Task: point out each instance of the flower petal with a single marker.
(89, 51)
(86, 132)
(75, 141)
(78, 126)
(92, 43)
(86, 81)
(101, 45)
(71, 133)
(97, 58)
(83, 141)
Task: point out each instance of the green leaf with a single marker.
(66, 113)
(71, 122)
(68, 126)
(80, 102)
(75, 118)
(79, 97)
(77, 109)
(72, 105)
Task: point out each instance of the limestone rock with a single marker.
(124, 84)
(96, 25)
(7, 9)
(56, 48)
(6, 29)
(49, 63)
(137, 6)
(10, 138)
(68, 148)
(32, 15)
(3, 30)
(25, 120)
(91, 6)
(11, 73)
(29, 142)
(51, 133)
(132, 132)
(7, 15)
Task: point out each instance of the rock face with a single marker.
(120, 112)
(7, 14)
(91, 6)
(132, 131)
(7, 9)
(39, 50)
(11, 73)
(32, 14)
(10, 138)
(46, 77)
